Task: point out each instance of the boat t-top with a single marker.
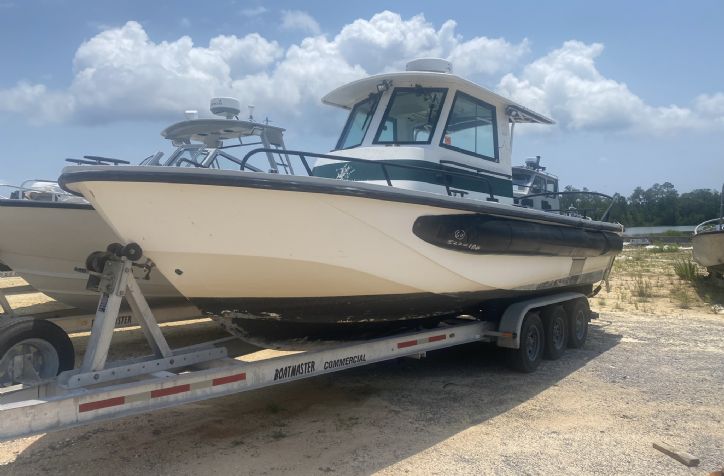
(408, 220)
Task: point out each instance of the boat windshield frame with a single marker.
(431, 121)
(461, 96)
(374, 100)
(529, 176)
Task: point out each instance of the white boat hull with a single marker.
(303, 256)
(44, 243)
(708, 249)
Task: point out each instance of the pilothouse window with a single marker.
(358, 123)
(411, 116)
(521, 178)
(471, 128)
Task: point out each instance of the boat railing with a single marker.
(715, 224)
(36, 189)
(97, 160)
(572, 211)
(445, 176)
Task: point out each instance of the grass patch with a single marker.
(682, 298)
(686, 269)
(642, 288)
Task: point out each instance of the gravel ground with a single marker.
(641, 378)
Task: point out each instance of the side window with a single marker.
(539, 185)
(551, 185)
(358, 123)
(471, 128)
(411, 116)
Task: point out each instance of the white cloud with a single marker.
(253, 12)
(711, 107)
(35, 102)
(298, 20)
(387, 42)
(566, 85)
(122, 74)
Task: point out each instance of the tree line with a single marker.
(659, 205)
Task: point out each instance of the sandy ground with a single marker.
(652, 370)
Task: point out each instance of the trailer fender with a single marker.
(512, 319)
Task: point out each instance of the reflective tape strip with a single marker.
(229, 379)
(164, 392)
(97, 405)
(411, 343)
(407, 343)
(158, 393)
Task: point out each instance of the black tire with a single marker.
(556, 326)
(132, 251)
(532, 336)
(578, 316)
(115, 249)
(96, 261)
(17, 329)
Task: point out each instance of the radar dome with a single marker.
(434, 65)
(227, 107)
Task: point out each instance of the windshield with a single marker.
(358, 123)
(520, 178)
(411, 116)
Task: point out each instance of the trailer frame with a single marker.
(100, 390)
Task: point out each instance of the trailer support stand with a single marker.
(116, 283)
(142, 313)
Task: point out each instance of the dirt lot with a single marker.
(652, 370)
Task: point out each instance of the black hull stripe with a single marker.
(480, 234)
(324, 186)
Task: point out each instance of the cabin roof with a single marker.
(348, 95)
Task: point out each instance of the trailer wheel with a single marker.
(578, 316)
(132, 251)
(527, 357)
(32, 350)
(555, 323)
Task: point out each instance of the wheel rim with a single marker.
(558, 332)
(580, 322)
(28, 361)
(532, 343)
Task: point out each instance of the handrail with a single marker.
(605, 215)
(714, 222)
(383, 166)
(472, 167)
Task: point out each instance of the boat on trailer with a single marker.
(48, 233)
(408, 221)
(708, 244)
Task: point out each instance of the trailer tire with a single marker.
(50, 346)
(527, 357)
(556, 325)
(578, 316)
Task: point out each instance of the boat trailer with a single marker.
(101, 390)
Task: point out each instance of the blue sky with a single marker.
(636, 88)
